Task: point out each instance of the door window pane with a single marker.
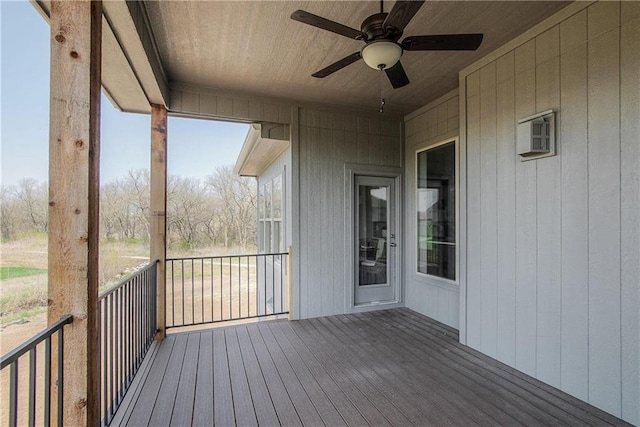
(436, 216)
(372, 234)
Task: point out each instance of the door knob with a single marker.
(393, 245)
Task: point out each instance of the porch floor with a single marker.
(392, 367)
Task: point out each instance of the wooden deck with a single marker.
(382, 368)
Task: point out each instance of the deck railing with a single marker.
(202, 290)
(38, 388)
(128, 327)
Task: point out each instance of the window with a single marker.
(270, 230)
(436, 210)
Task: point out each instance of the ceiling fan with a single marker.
(380, 32)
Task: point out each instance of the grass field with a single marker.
(23, 278)
(19, 271)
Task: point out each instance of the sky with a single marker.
(195, 147)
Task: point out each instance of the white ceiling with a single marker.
(254, 48)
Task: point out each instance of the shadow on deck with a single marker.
(391, 367)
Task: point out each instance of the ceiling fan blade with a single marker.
(443, 42)
(338, 65)
(401, 14)
(397, 76)
(326, 24)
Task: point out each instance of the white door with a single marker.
(375, 242)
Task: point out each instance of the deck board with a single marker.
(326, 409)
(495, 389)
(440, 401)
(287, 414)
(301, 400)
(222, 397)
(203, 405)
(183, 408)
(393, 367)
(547, 398)
(263, 405)
(340, 401)
(146, 399)
(242, 401)
(166, 397)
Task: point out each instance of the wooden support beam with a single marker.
(158, 205)
(74, 174)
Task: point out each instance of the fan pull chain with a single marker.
(382, 89)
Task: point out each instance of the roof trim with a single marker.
(264, 143)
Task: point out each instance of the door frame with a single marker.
(350, 172)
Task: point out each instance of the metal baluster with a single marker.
(239, 289)
(154, 297)
(202, 287)
(129, 336)
(230, 291)
(273, 284)
(211, 266)
(47, 382)
(193, 297)
(13, 394)
(111, 356)
(145, 313)
(105, 357)
(60, 375)
(248, 286)
(118, 302)
(173, 297)
(32, 387)
(134, 326)
(221, 316)
(182, 272)
(281, 292)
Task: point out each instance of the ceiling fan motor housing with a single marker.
(374, 28)
(381, 50)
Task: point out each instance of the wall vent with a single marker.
(536, 136)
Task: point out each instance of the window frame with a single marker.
(421, 149)
(266, 192)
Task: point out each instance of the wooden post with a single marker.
(290, 282)
(158, 208)
(74, 183)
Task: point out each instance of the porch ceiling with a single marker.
(254, 48)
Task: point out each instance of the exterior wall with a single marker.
(553, 258)
(326, 141)
(272, 274)
(282, 165)
(431, 124)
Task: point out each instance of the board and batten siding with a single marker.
(434, 123)
(553, 245)
(328, 139)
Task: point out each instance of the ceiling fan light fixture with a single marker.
(381, 54)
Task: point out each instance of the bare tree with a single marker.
(219, 211)
(238, 197)
(8, 217)
(138, 188)
(32, 197)
(187, 209)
